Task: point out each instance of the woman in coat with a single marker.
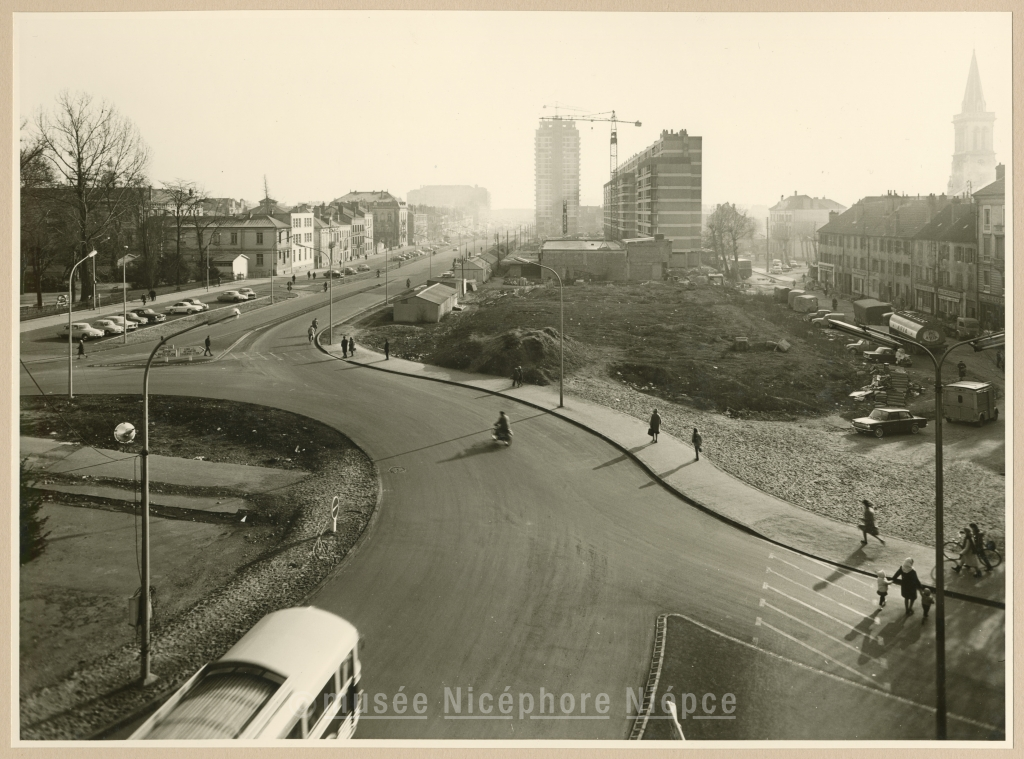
(909, 585)
(655, 425)
(968, 553)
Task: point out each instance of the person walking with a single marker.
(206, 343)
(351, 348)
(835, 304)
(316, 323)
(311, 333)
(961, 369)
(867, 526)
(698, 443)
(309, 275)
(152, 295)
(293, 279)
(909, 585)
(883, 589)
(927, 599)
(968, 554)
(655, 425)
(81, 347)
(387, 350)
(408, 283)
(979, 545)
(344, 346)
(143, 299)
(325, 287)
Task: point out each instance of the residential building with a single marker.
(658, 192)
(390, 216)
(557, 177)
(870, 250)
(636, 259)
(591, 221)
(991, 204)
(475, 200)
(974, 158)
(945, 263)
(223, 207)
(793, 223)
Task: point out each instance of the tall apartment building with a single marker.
(658, 192)
(557, 177)
(974, 159)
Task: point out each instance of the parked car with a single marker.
(231, 296)
(121, 322)
(362, 267)
(888, 421)
(248, 292)
(108, 327)
(182, 307)
(881, 355)
(80, 330)
(349, 270)
(151, 316)
(196, 302)
(859, 347)
(822, 321)
(447, 275)
(332, 274)
(817, 314)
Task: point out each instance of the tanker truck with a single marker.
(923, 329)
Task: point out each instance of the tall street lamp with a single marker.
(147, 677)
(124, 290)
(990, 342)
(71, 279)
(561, 330)
(330, 295)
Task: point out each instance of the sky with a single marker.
(324, 102)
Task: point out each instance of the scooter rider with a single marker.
(501, 428)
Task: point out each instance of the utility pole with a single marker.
(767, 242)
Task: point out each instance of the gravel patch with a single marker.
(806, 466)
(102, 691)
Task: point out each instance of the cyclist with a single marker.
(979, 545)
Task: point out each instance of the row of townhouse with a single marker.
(939, 255)
(285, 242)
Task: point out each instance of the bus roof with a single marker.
(292, 642)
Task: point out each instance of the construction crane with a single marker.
(613, 157)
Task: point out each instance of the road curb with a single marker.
(654, 476)
(653, 678)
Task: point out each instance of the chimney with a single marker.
(1000, 172)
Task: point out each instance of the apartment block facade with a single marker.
(658, 192)
(557, 177)
(793, 223)
(991, 204)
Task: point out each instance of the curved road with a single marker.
(543, 565)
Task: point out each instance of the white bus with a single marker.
(295, 674)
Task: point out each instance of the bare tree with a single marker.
(98, 159)
(725, 227)
(185, 204)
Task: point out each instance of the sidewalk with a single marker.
(707, 487)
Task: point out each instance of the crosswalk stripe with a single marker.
(816, 577)
(881, 662)
(850, 574)
(819, 595)
(823, 613)
(883, 686)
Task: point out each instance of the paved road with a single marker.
(543, 565)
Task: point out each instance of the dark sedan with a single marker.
(889, 421)
(151, 316)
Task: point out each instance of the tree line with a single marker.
(84, 186)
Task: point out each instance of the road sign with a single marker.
(191, 350)
(167, 351)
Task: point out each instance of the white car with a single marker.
(248, 292)
(198, 303)
(182, 307)
(119, 320)
(447, 275)
(231, 296)
(108, 327)
(363, 267)
(80, 330)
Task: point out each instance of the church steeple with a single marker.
(974, 98)
(974, 160)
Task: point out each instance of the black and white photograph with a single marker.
(497, 377)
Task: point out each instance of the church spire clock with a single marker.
(974, 160)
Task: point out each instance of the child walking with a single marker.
(927, 599)
(883, 588)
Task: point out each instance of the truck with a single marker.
(804, 304)
(869, 311)
(792, 296)
(781, 294)
(966, 401)
(923, 329)
(744, 268)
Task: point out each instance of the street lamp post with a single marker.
(330, 294)
(979, 344)
(71, 279)
(147, 677)
(385, 276)
(124, 291)
(561, 331)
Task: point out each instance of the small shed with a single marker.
(233, 267)
(428, 305)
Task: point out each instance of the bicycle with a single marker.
(951, 554)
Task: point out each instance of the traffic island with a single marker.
(241, 504)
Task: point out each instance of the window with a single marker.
(259, 238)
(216, 238)
(906, 270)
(985, 277)
(988, 217)
(259, 259)
(234, 238)
(309, 237)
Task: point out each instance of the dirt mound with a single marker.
(536, 350)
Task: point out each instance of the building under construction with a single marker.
(658, 192)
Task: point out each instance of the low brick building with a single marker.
(633, 259)
(428, 305)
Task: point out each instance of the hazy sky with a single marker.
(840, 105)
